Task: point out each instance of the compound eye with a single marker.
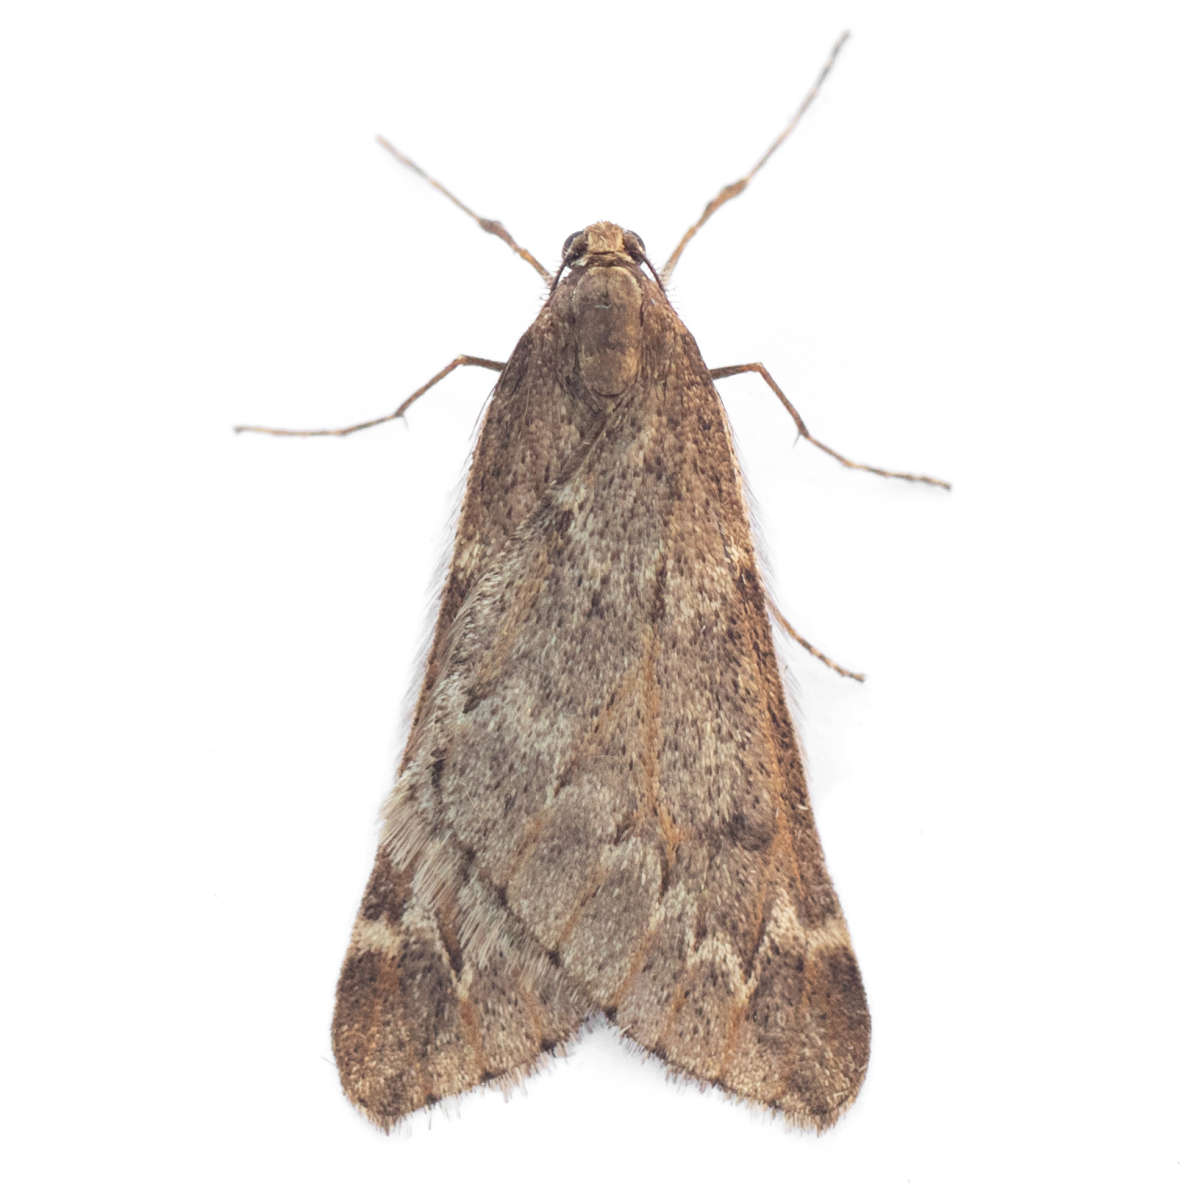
(634, 246)
(566, 250)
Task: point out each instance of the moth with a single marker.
(601, 809)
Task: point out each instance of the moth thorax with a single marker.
(607, 306)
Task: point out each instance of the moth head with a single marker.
(604, 245)
(605, 242)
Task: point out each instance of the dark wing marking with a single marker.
(419, 1017)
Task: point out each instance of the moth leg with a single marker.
(729, 191)
(725, 372)
(787, 627)
(463, 360)
(496, 228)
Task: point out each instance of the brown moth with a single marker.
(602, 807)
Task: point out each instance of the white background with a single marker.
(978, 257)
